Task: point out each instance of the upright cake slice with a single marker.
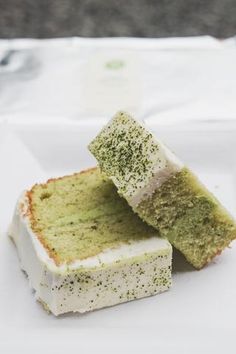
(83, 248)
(162, 191)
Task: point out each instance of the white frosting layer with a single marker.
(168, 165)
(64, 288)
(165, 164)
(149, 162)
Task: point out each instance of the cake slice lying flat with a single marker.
(83, 248)
(162, 191)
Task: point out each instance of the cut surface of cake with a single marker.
(162, 191)
(83, 248)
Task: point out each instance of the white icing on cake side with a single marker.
(161, 174)
(138, 163)
(53, 284)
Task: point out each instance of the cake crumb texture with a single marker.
(190, 217)
(79, 216)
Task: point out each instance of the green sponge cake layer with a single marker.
(83, 248)
(79, 216)
(162, 191)
(190, 217)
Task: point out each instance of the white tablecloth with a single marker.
(158, 80)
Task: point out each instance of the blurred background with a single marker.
(94, 18)
(163, 61)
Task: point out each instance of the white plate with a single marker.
(197, 315)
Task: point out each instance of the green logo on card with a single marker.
(115, 64)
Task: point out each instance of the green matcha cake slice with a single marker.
(162, 191)
(83, 248)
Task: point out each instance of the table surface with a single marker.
(139, 18)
